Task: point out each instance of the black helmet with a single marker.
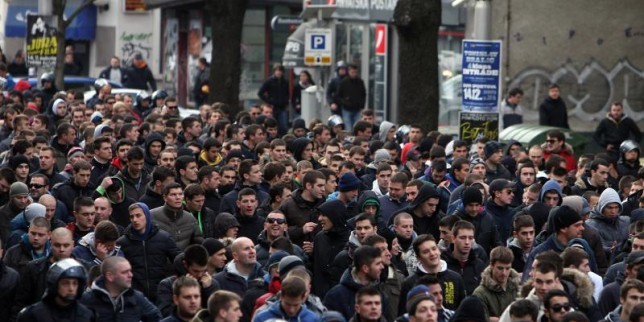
(142, 96)
(66, 268)
(402, 133)
(158, 94)
(335, 120)
(629, 145)
(47, 77)
(100, 83)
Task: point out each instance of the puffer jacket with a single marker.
(148, 253)
(613, 232)
(134, 188)
(180, 224)
(580, 291)
(298, 212)
(129, 306)
(493, 295)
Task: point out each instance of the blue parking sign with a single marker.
(318, 42)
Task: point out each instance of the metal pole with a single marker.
(482, 20)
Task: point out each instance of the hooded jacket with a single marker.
(583, 184)
(327, 245)
(551, 185)
(148, 253)
(580, 291)
(503, 216)
(275, 312)
(120, 213)
(129, 306)
(614, 316)
(134, 188)
(150, 162)
(19, 255)
(424, 225)
(451, 283)
(341, 298)
(385, 126)
(495, 297)
(230, 280)
(180, 224)
(613, 231)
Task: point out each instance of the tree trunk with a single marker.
(59, 10)
(227, 21)
(417, 23)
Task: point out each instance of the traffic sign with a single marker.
(318, 47)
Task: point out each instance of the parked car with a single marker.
(183, 112)
(77, 83)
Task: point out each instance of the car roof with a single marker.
(73, 82)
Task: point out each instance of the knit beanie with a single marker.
(17, 160)
(212, 245)
(75, 151)
(491, 147)
(34, 210)
(233, 154)
(96, 118)
(57, 102)
(471, 309)
(288, 263)
(564, 217)
(381, 155)
(472, 195)
(417, 295)
(225, 221)
(299, 124)
(275, 258)
(349, 182)
(18, 188)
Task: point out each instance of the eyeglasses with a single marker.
(559, 307)
(275, 220)
(172, 107)
(36, 186)
(551, 140)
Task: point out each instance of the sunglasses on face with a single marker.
(36, 186)
(559, 307)
(275, 221)
(172, 107)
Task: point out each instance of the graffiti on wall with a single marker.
(170, 54)
(136, 43)
(588, 91)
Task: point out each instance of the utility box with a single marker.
(312, 99)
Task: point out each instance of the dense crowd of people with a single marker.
(117, 209)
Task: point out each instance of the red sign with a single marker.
(381, 39)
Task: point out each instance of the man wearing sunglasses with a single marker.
(275, 226)
(555, 305)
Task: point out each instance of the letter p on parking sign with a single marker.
(318, 47)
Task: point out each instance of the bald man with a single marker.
(51, 205)
(33, 282)
(243, 268)
(116, 280)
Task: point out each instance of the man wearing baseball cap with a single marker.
(493, 157)
(498, 205)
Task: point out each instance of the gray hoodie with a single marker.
(385, 126)
(613, 231)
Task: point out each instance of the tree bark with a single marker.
(417, 23)
(62, 24)
(227, 21)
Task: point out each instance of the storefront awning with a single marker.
(82, 28)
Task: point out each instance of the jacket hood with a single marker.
(608, 196)
(151, 138)
(89, 241)
(119, 181)
(425, 192)
(513, 281)
(203, 157)
(336, 211)
(550, 185)
(257, 272)
(385, 126)
(24, 239)
(368, 198)
(298, 146)
(585, 287)
(148, 222)
(223, 222)
(276, 310)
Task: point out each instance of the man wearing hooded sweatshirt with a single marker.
(113, 189)
(148, 249)
(100, 244)
(328, 243)
(425, 211)
(606, 219)
(32, 245)
(429, 263)
(244, 267)
(631, 294)
(154, 144)
(171, 217)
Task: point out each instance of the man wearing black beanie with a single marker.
(486, 233)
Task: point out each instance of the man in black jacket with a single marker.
(114, 72)
(139, 75)
(553, 112)
(275, 91)
(615, 129)
(351, 97)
